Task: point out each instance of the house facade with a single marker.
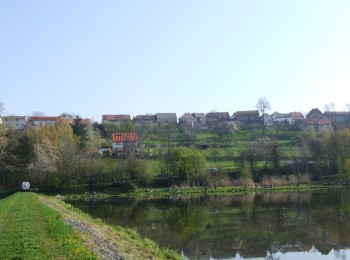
(187, 119)
(124, 142)
(14, 122)
(217, 117)
(283, 118)
(317, 120)
(267, 119)
(34, 121)
(193, 119)
(324, 124)
(166, 118)
(143, 120)
(297, 117)
(247, 117)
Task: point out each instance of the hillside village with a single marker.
(216, 147)
(246, 119)
(201, 122)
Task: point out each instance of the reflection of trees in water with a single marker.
(219, 226)
(188, 220)
(287, 197)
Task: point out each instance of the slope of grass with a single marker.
(31, 230)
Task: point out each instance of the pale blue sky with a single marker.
(136, 57)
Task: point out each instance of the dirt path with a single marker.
(104, 240)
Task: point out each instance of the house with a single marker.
(317, 120)
(217, 117)
(14, 122)
(187, 119)
(125, 142)
(323, 124)
(68, 117)
(166, 118)
(314, 115)
(115, 119)
(297, 117)
(42, 120)
(193, 119)
(283, 118)
(247, 117)
(267, 119)
(339, 119)
(200, 117)
(143, 120)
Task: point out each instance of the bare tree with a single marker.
(263, 105)
(38, 113)
(270, 150)
(330, 107)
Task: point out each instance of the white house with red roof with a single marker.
(124, 141)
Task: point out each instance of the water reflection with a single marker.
(263, 226)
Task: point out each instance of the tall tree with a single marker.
(80, 132)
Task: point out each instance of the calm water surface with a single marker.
(293, 225)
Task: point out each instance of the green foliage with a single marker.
(80, 132)
(187, 164)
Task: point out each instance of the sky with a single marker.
(91, 58)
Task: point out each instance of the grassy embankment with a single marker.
(33, 227)
(31, 230)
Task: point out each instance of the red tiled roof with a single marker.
(297, 114)
(115, 117)
(43, 118)
(124, 137)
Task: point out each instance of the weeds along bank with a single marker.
(40, 227)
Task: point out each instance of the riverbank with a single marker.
(41, 227)
(227, 190)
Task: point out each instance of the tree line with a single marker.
(56, 157)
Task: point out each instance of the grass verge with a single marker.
(31, 230)
(128, 242)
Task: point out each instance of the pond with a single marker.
(288, 225)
